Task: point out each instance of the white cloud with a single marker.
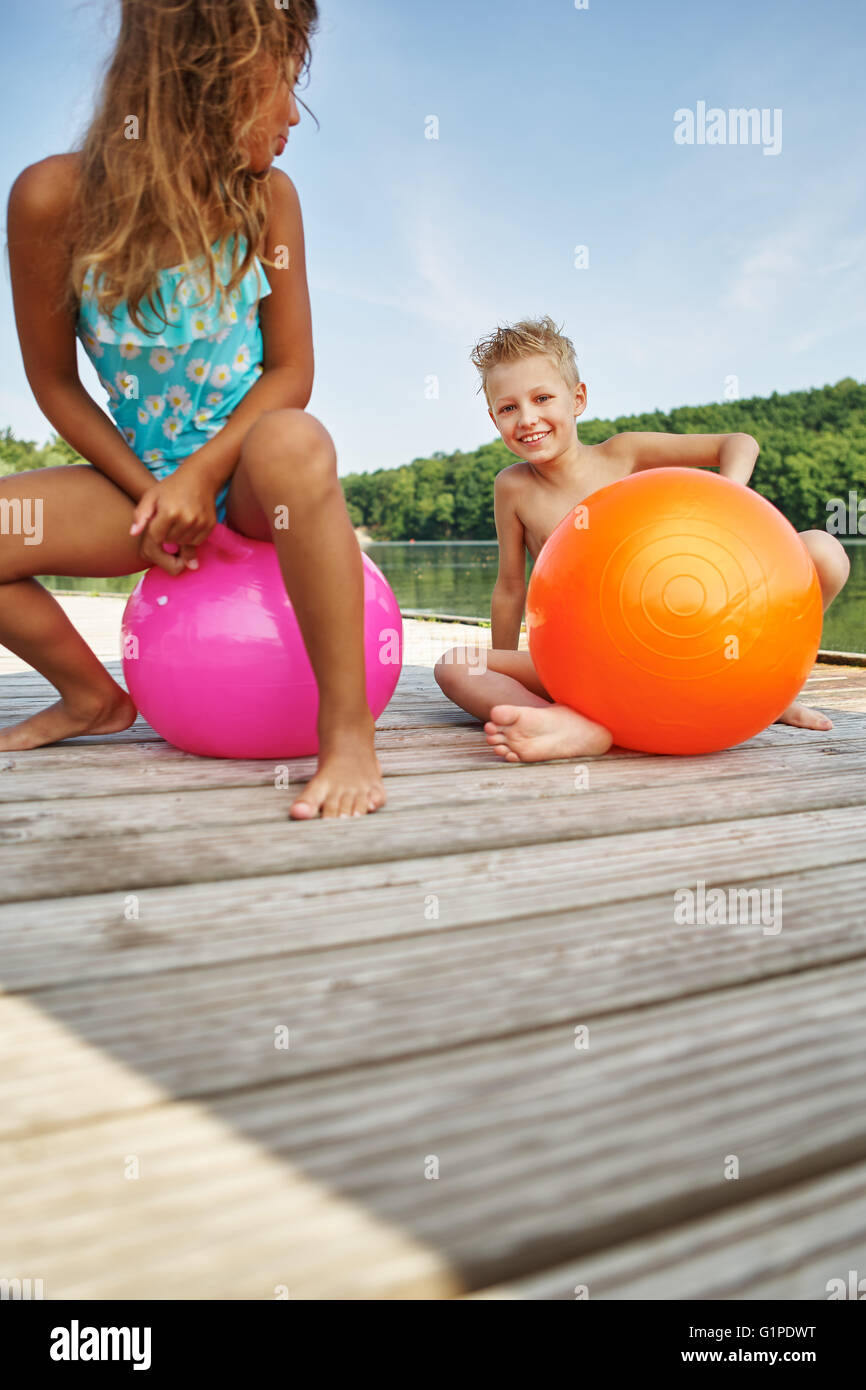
(764, 275)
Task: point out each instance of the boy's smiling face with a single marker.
(533, 408)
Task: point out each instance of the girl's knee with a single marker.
(292, 438)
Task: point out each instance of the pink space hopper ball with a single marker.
(215, 661)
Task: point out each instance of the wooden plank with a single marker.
(194, 791)
(785, 1247)
(415, 678)
(545, 1153)
(67, 771)
(126, 860)
(195, 924)
(63, 770)
(87, 817)
(200, 1032)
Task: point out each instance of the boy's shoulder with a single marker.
(512, 476)
(616, 443)
(619, 452)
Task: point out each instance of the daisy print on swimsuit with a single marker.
(198, 369)
(242, 359)
(178, 399)
(92, 344)
(161, 359)
(221, 374)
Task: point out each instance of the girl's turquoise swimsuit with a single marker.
(171, 391)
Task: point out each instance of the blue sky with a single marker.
(556, 130)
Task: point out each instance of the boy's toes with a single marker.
(802, 717)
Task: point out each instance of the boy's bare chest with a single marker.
(542, 512)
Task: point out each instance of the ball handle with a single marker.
(231, 543)
(222, 538)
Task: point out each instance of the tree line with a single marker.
(813, 449)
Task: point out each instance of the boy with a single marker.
(534, 397)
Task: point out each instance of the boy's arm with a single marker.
(733, 454)
(509, 592)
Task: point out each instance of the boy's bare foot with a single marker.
(804, 718)
(106, 715)
(535, 733)
(348, 780)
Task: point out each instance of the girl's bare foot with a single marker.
(107, 714)
(532, 734)
(804, 718)
(348, 781)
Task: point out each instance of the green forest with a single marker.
(813, 448)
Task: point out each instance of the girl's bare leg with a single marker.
(522, 722)
(84, 521)
(288, 466)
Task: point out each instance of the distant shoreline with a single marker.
(365, 539)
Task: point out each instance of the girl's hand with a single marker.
(180, 511)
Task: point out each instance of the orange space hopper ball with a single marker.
(678, 609)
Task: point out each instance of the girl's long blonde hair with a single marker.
(162, 154)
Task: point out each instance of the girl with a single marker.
(149, 243)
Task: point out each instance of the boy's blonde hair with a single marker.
(525, 339)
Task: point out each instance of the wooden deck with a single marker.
(165, 928)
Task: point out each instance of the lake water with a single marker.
(457, 577)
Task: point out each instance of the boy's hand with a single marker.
(179, 511)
